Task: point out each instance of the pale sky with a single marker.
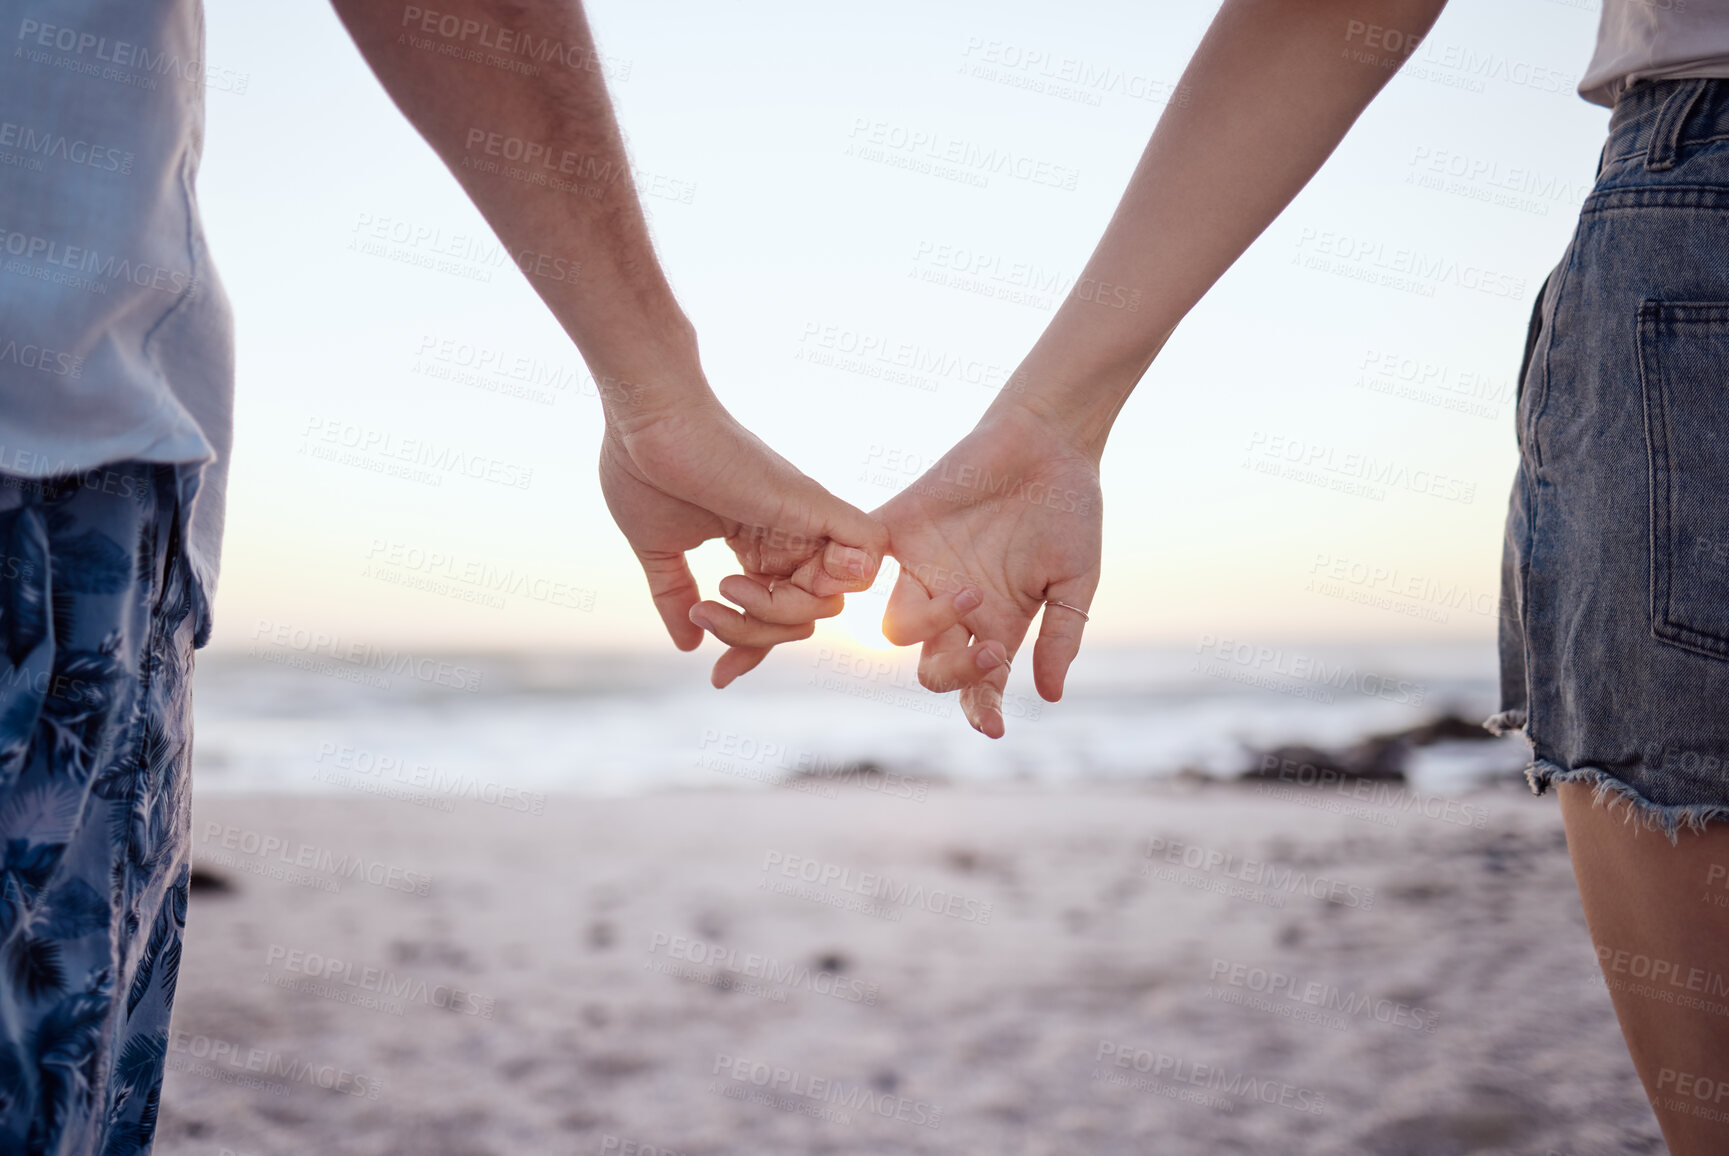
(801, 262)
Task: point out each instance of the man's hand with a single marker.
(674, 480)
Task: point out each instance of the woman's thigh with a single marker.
(1659, 919)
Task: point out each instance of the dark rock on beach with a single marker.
(1447, 728)
(1378, 758)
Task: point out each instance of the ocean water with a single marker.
(410, 724)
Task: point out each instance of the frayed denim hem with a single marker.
(1505, 723)
(1609, 791)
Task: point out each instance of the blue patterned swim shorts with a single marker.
(97, 616)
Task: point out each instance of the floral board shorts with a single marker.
(97, 616)
(1615, 621)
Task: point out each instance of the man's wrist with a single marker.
(640, 380)
(630, 403)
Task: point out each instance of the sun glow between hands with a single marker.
(859, 624)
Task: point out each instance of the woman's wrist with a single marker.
(1075, 383)
(1078, 414)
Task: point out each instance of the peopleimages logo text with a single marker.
(60, 147)
(1306, 668)
(873, 886)
(79, 259)
(366, 655)
(1259, 873)
(799, 1085)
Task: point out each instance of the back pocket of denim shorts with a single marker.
(1684, 371)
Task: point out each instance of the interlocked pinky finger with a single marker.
(951, 664)
(784, 604)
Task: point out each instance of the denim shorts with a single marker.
(1615, 612)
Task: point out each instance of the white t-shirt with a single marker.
(116, 342)
(1656, 40)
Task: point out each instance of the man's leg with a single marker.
(95, 714)
(1663, 940)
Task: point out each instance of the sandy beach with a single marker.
(1173, 969)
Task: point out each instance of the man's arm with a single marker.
(542, 158)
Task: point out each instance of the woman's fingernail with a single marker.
(968, 599)
(700, 618)
(989, 659)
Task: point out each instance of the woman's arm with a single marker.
(1272, 89)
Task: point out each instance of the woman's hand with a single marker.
(1006, 523)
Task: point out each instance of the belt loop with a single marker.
(1665, 147)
